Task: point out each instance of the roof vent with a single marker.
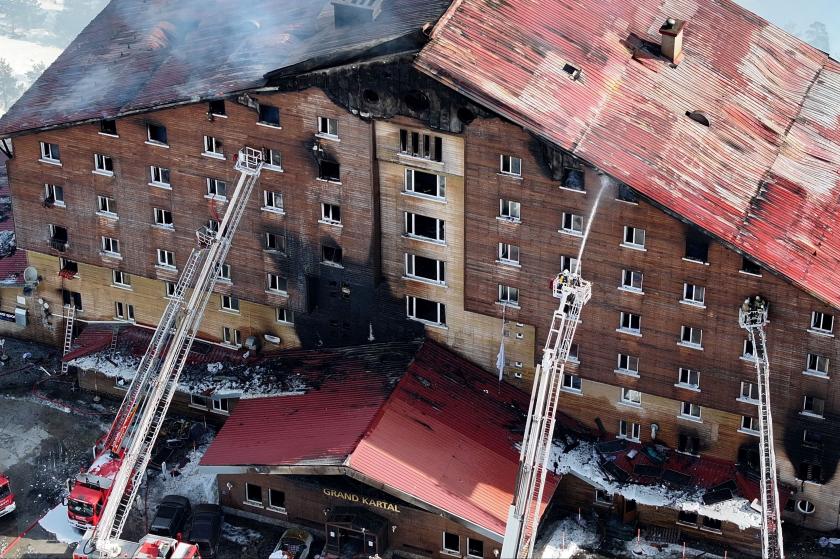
(573, 72)
(672, 38)
(352, 12)
(699, 117)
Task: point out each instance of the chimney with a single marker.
(352, 12)
(672, 37)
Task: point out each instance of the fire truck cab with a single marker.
(90, 490)
(7, 498)
(150, 547)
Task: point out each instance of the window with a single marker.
(273, 159)
(628, 364)
(103, 164)
(216, 188)
(805, 507)
(429, 228)
(571, 383)
(451, 543)
(285, 315)
(160, 175)
(696, 246)
(416, 144)
(749, 351)
(425, 310)
(568, 263)
(634, 237)
(69, 268)
(511, 165)
(170, 287)
(221, 405)
(53, 195)
(277, 500)
(688, 444)
(277, 283)
(331, 255)
(509, 210)
(630, 396)
(331, 213)
(602, 497)
(121, 278)
(425, 268)
(49, 152)
(253, 494)
(694, 294)
(475, 548)
(626, 194)
(813, 406)
(687, 517)
(574, 353)
(691, 336)
(631, 280)
(124, 311)
(213, 146)
(573, 177)
(689, 410)
(750, 267)
(106, 205)
(156, 133)
(817, 364)
(110, 246)
(809, 472)
(329, 171)
(710, 524)
(216, 107)
(276, 242)
(328, 126)
(629, 430)
(811, 439)
(108, 127)
(822, 322)
(165, 258)
(58, 237)
(508, 295)
(72, 298)
(272, 200)
(230, 303)
(426, 184)
(212, 226)
(231, 336)
(269, 115)
(198, 401)
(688, 378)
(749, 392)
(572, 223)
(749, 424)
(629, 322)
(224, 272)
(508, 253)
(163, 217)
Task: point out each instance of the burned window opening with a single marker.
(572, 173)
(108, 127)
(626, 194)
(689, 444)
(269, 115)
(808, 471)
(216, 107)
(331, 255)
(416, 101)
(370, 96)
(465, 115)
(329, 170)
(421, 145)
(696, 246)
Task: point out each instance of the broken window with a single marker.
(696, 246)
(120, 278)
(269, 115)
(749, 424)
(631, 280)
(451, 543)
(571, 382)
(424, 227)
(628, 364)
(749, 351)
(328, 126)
(572, 223)
(510, 165)
(691, 336)
(568, 263)
(416, 144)
(629, 322)
(103, 164)
(426, 184)
(710, 524)
(817, 364)
(108, 127)
(110, 246)
(509, 210)
(275, 241)
(508, 253)
(694, 294)
(634, 237)
(213, 146)
(58, 237)
(331, 213)
(813, 406)
(276, 500)
(69, 268)
(626, 194)
(198, 401)
(156, 133)
(629, 430)
(216, 107)
(231, 337)
(170, 288)
(165, 258)
(690, 410)
(106, 205)
(53, 195)
(272, 201)
(574, 352)
(71, 298)
(630, 396)
(277, 283)
(749, 392)
(689, 378)
(216, 189)
(425, 310)
(602, 497)
(689, 444)
(687, 517)
(329, 170)
(224, 272)
(124, 311)
(424, 268)
(750, 267)
(809, 472)
(50, 153)
(475, 548)
(573, 177)
(331, 255)
(163, 217)
(822, 322)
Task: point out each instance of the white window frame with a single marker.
(627, 397)
(469, 539)
(752, 428)
(149, 139)
(229, 303)
(328, 213)
(572, 224)
(120, 279)
(100, 164)
(684, 376)
(160, 218)
(687, 410)
(410, 269)
(694, 295)
(109, 244)
(327, 127)
(169, 289)
(634, 237)
(820, 368)
(231, 337)
(224, 273)
(628, 281)
(628, 317)
(411, 311)
(271, 506)
(695, 340)
(47, 153)
(213, 147)
(270, 201)
(818, 320)
(568, 263)
(572, 383)
(510, 165)
(510, 210)
(270, 163)
(447, 550)
(634, 433)
(509, 254)
(199, 401)
(273, 282)
(166, 259)
(625, 365)
(752, 397)
(603, 498)
(105, 206)
(411, 227)
(220, 405)
(508, 296)
(284, 315)
(56, 192)
(156, 175)
(440, 185)
(124, 311)
(748, 355)
(806, 411)
(213, 189)
(268, 236)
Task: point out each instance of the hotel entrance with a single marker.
(354, 532)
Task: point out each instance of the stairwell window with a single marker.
(628, 365)
(426, 269)
(816, 365)
(425, 228)
(103, 164)
(124, 311)
(510, 210)
(508, 254)
(749, 393)
(331, 214)
(694, 294)
(231, 337)
(571, 383)
(749, 425)
(631, 280)
(688, 378)
(159, 176)
(629, 323)
(156, 134)
(277, 284)
(510, 165)
(572, 224)
(275, 242)
(508, 296)
(691, 337)
(629, 430)
(110, 246)
(424, 310)
(165, 258)
(53, 195)
(425, 184)
(822, 323)
(328, 127)
(269, 115)
(331, 255)
(120, 279)
(416, 144)
(815, 407)
(213, 147)
(50, 153)
(163, 218)
(216, 189)
(690, 410)
(230, 303)
(634, 237)
(631, 397)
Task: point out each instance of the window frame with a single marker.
(440, 185)
(691, 406)
(50, 152)
(324, 131)
(815, 370)
(626, 397)
(229, 303)
(449, 550)
(124, 311)
(160, 215)
(105, 242)
(571, 383)
(508, 296)
(569, 220)
(101, 162)
(231, 337)
(411, 269)
(261, 115)
(410, 223)
(811, 412)
(248, 500)
(276, 280)
(509, 250)
(328, 212)
(109, 206)
(634, 433)
(630, 319)
(213, 185)
(153, 141)
(626, 370)
(214, 147)
(753, 387)
(165, 261)
(692, 299)
(156, 175)
(632, 274)
(281, 508)
(691, 343)
(272, 196)
(632, 233)
(56, 192)
(332, 255)
(481, 545)
(509, 206)
(411, 311)
(288, 315)
(752, 429)
(514, 165)
(123, 281)
(688, 373)
(818, 317)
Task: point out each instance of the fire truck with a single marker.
(91, 489)
(7, 498)
(150, 547)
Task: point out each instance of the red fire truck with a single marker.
(150, 547)
(91, 489)
(7, 498)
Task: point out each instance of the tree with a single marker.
(817, 35)
(35, 73)
(9, 86)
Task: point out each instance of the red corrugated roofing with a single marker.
(762, 178)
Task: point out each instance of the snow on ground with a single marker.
(639, 547)
(56, 522)
(584, 462)
(23, 55)
(187, 481)
(241, 536)
(569, 537)
(42, 402)
(7, 243)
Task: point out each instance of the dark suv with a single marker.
(204, 529)
(170, 517)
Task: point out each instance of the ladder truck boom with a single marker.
(752, 316)
(144, 408)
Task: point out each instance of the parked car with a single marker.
(171, 515)
(294, 544)
(204, 529)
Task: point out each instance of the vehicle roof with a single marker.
(85, 494)
(175, 499)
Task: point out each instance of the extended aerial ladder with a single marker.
(752, 316)
(141, 415)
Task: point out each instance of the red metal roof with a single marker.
(763, 178)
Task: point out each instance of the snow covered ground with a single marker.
(569, 537)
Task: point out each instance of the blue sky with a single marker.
(797, 16)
